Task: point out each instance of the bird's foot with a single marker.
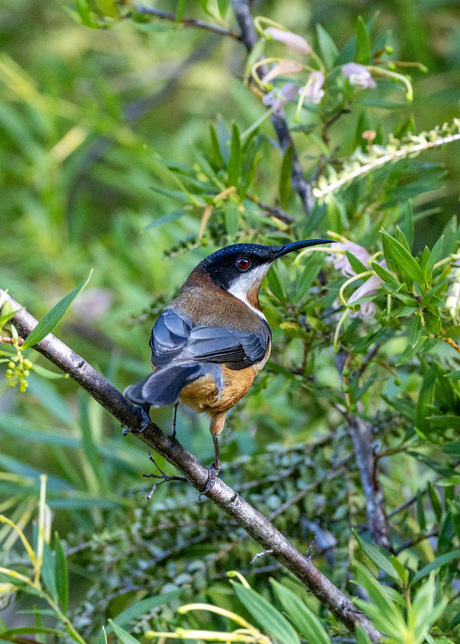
(145, 423)
(162, 477)
(213, 473)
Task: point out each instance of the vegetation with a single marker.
(135, 140)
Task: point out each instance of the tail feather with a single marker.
(163, 387)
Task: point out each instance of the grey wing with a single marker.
(175, 340)
(170, 335)
(236, 349)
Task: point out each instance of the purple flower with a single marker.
(313, 91)
(285, 67)
(370, 286)
(293, 41)
(359, 76)
(279, 96)
(340, 260)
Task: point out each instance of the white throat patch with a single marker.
(243, 284)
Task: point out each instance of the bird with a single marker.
(208, 345)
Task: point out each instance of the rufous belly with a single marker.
(203, 394)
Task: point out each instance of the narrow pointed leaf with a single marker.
(61, 575)
(266, 615)
(51, 319)
(396, 253)
(304, 620)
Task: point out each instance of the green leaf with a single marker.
(102, 639)
(284, 187)
(47, 571)
(267, 616)
(433, 322)
(89, 444)
(436, 564)
(234, 161)
(377, 555)
(51, 319)
(403, 574)
(400, 236)
(143, 607)
(231, 217)
(396, 253)
(223, 7)
(385, 275)
(327, 47)
(386, 616)
(361, 635)
(7, 312)
(168, 218)
(409, 351)
(363, 43)
(415, 330)
(304, 620)
(336, 217)
(217, 155)
(46, 373)
(123, 636)
(435, 501)
(356, 264)
(425, 398)
(455, 375)
(61, 574)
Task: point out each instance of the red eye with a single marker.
(243, 263)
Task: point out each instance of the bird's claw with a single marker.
(145, 423)
(145, 420)
(213, 473)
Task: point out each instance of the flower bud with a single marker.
(293, 41)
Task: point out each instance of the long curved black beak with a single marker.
(279, 251)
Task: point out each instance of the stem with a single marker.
(186, 22)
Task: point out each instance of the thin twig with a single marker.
(249, 37)
(415, 540)
(185, 22)
(252, 521)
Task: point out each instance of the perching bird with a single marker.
(209, 343)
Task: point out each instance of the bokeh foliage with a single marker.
(123, 150)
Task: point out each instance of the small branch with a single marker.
(413, 542)
(186, 22)
(163, 478)
(361, 434)
(252, 521)
(8, 340)
(249, 37)
(274, 211)
(264, 553)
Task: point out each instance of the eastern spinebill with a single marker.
(209, 344)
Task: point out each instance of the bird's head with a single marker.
(240, 268)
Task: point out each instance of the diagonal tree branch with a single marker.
(249, 37)
(252, 521)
